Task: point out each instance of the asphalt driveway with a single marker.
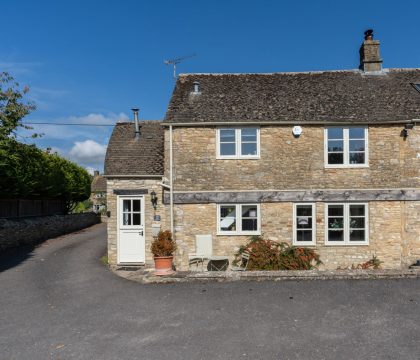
(59, 302)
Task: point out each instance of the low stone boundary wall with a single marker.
(146, 276)
(30, 231)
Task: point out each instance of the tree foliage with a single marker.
(28, 172)
(25, 170)
(13, 106)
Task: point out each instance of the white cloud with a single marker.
(88, 151)
(98, 119)
(72, 131)
(91, 170)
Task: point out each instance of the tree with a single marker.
(25, 170)
(13, 107)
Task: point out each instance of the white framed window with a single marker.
(238, 143)
(238, 219)
(346, 224)
(346, 146)
(304, 224)
(131, 212)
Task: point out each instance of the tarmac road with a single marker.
(59, 302)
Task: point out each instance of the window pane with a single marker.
(357, 210)
(249, 225)
(336, 210)
(136, 205)
(358, 223)
(136, 219)
(335, 158)
(357, 145)
(249, 134)
(249, 211)
(227, 135)
(335, 145)
(357, 235)
(335, 223)
(304, 222)
(126, 205)
(228, 218)
(357, 158)
(335, 133)
(304, 235)
(126, 219)
(249, 149)
(335, 235)
(356, 133)
(304, 210)
(227, 149)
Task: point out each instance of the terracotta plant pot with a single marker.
(163, 265)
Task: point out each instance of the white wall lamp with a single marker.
(297, 131)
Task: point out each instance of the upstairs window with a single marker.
(238, 143)
(346, 147)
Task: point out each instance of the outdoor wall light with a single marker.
(153, 199)
(406, 128)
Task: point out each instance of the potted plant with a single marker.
(163, 248)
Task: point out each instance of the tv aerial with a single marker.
(176, 61)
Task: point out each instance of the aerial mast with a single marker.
(176, 61)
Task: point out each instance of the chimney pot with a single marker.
(369, 34)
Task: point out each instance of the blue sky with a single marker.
(91, 61)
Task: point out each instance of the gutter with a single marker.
(278, 123)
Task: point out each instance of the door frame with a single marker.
(119, 216)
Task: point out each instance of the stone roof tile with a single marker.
(127, 155)
(325, 96)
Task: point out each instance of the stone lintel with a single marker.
(131, 191)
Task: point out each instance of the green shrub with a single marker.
(271, 255)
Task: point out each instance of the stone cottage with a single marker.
(324, 159)
(98, 193)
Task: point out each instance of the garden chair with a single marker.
(243, 264)
(203, 250)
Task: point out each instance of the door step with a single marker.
(130, 267)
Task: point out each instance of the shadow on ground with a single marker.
(13, 257)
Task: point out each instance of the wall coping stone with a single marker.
(146, 276)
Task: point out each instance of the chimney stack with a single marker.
(96, 173)
(370, 58)
(136, 122)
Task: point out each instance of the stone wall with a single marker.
(393, 237)
(112, 224)
(31, 231)
(288, 163)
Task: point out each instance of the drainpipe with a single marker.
(171, 194)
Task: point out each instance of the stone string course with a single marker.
(30, 231)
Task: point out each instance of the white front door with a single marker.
(131, 244)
